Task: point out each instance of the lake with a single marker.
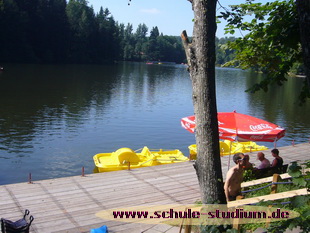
(54, 118)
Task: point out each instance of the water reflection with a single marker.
(53, 119)
(45, 98)
(230, 84)
(281, 105)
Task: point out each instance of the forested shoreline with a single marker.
(54, 31)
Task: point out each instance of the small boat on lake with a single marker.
(228, 147)
(160, 63)
(126, 158)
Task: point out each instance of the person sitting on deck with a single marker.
(278, 161)
(265, 163)
(247, 165)
(234, 177)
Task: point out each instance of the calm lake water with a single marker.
(54, 118)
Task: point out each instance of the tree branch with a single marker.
(187, 47)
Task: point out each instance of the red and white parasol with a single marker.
(235, 126)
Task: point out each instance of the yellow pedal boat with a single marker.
(228, 147)
(126, 158)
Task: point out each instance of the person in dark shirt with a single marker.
(278, 161)
(248, 165)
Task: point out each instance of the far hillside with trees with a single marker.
(43, 31)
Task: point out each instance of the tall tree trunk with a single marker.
(201, 60)
(303, 9)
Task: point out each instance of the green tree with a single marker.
(154, 33)
(114, 40)
(13, 23)
(141, 31)
(303, 9)
(223, 53)
(55, 30)
(102, 44)
(83, 31)
(108, 39)
(169, 48)
(141, 42)
(273, 43)
(153, 48)
(129, 43)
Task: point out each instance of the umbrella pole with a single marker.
(229, 155)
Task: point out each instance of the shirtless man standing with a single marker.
(234, 178)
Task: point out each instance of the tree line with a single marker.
(57, 31)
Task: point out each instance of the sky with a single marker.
(170, 16)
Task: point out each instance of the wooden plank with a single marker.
(267, 179)
(269, 197)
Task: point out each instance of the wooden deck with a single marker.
(70, 204)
